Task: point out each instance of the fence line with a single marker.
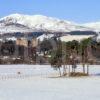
(21, 76)
(6, 77)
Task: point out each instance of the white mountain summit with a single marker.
(21, 23)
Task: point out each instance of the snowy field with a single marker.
(38, 70)
(37, 85)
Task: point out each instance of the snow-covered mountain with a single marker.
(22, 23)
(93, 25)
(14, 27)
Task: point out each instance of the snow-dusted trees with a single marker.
(45, 46)
(70, 54)
(56, 57)
(85, 47)
(56, 60)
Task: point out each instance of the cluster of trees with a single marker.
(69, 54)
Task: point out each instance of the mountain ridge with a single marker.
(41, 23)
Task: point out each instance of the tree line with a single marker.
(70, 54)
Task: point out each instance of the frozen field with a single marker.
(38, 70)
(40, 87)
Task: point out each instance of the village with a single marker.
(50, 50)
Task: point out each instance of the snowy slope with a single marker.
(94, 25)
(74, 37)
(12, 27)
(44, 36)
(40, 22)
(51, 89)
(41, 88)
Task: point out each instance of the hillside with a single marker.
(38, 23)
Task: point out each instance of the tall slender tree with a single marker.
(84, 45)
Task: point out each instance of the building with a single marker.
(22, 42)
(34, 42)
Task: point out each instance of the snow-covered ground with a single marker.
(26, 70)
(39, 70)
(46, 88)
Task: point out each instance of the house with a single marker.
(22, 42)
(34, 42)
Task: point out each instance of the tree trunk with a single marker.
(74, 70)
(59, 71)
(84, 68)
(87, 69)
(69, 69)
(64, 70)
